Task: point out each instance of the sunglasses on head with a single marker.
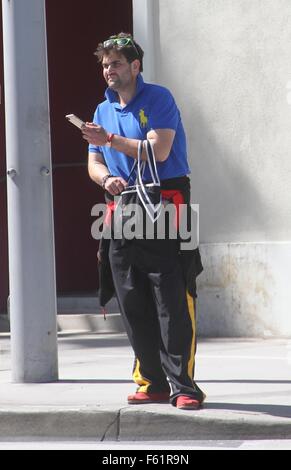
(120, 42)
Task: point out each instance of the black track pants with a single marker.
(160, 325)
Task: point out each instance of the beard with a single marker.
(114, 83)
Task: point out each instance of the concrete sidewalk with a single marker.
(247, 382)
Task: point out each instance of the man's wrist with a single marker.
(105, 178)
(110, 137)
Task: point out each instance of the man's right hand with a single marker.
(115, 185)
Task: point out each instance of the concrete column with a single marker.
(30, 214)
(144, 34)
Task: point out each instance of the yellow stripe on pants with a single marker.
(139, 379)
(191, 308)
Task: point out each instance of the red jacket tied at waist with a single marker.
(169, 194)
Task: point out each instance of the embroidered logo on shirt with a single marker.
(143, 120)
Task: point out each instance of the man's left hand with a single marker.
(94, 134)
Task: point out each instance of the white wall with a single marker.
(228, 63)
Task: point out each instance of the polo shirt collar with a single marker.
(112, 96)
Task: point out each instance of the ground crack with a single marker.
(115, 422)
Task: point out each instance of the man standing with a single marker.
(157, 310)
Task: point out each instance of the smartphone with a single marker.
(75, 120)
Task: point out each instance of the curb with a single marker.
(53, 422)
(131, 424)
(90, 323)
(80, 323)
(199, 425)
(78, 314)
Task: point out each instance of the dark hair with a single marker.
(131, 52)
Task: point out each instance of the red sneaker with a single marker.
(140, 398)
(187, 403)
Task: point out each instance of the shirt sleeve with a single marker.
(164, 113)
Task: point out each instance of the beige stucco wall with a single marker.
(228, 63)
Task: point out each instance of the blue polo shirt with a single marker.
(152, 107)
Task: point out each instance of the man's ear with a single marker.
(136, 65)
